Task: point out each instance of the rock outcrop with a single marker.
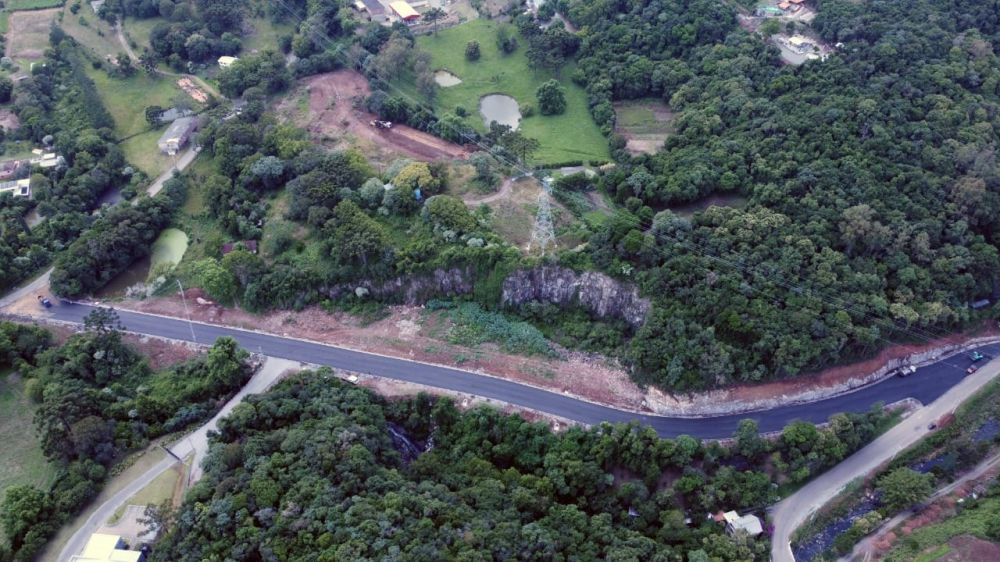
(596, 293)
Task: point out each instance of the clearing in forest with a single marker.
(644, 123)
(28, 34)
(571, 136)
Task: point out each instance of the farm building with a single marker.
(226, 62)
(108, 548)
(177, 135)
(374, 8)
(404, 11)
(19, 188)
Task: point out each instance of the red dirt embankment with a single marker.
(335, 108)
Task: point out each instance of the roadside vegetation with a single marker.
(592, 493)
(972, 435)
(97, 400)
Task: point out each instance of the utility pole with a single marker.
(171, 453)
(543, 234)
(186, 311)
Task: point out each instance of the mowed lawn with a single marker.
(127, 99)
(22, 461)
(570, 136)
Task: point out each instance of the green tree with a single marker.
(551, 98)
(6, 89)
(519, 145)
(216, 280)
(153, 115)
(434, 16)
(23, 507)
(355, 237)
(472, 51)
(904, 488)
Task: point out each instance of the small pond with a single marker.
(135, 274)
(170, 247)
(446, 79)
(500, 108)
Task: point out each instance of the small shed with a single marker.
(374, 8)
(404, 11)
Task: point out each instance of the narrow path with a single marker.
(864, 548)
(504, 191)
(789, 514)
(195, 444)
(120, 33)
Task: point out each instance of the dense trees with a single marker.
(903, 488)
(870, 196)
(551, 98)
(98, 399)
(317, 469)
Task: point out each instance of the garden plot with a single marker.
(645, 124)
(28, 34)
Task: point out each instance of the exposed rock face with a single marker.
(416, 289)
(596, 293)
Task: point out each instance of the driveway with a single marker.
(793, 511)
(195, 444)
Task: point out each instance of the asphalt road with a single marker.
(790, 513)
(926, 385)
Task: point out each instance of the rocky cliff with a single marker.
(596, 293)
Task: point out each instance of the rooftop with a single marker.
(106, 548)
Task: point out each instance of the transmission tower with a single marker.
(543, 234)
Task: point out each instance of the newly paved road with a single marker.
(195, 444)
(927, 384)
(790, 513)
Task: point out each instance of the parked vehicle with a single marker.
(972, 369)
(44, 301)
(906, 370)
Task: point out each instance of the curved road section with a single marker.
(793, 511)
(926, 385)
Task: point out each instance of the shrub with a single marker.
(472, 50)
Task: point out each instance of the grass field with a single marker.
(15, 5)
(570, 136)
(155, 493)
(95, 34)
(127, 99)
(22, 461)
(142, 152)
(28, 35)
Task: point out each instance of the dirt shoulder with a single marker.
(414, 333)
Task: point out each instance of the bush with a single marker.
(474, 326)
(551, 98)
(472, 51)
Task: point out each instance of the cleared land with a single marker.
(95, 34)
(127, 98)
(567, 137)
(22, 461)
(645, 124)
(28, 34)
(333, 115)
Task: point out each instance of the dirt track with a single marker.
(332, 100)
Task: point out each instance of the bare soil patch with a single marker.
(8, 120)
(968, 548)
(336, 113)
(28, 33)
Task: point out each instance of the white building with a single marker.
(177, 135)
(226, 62)
(19, 188)
(748, 523)
(107, 548)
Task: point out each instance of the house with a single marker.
(173, 114)
(19, 188)
(735, 522)
(177, 135)
(47, 160)
(404, 11)
(226, 62)
(107, 548)
(374, 8)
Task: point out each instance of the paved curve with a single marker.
(926, 385)
(195, 444)
(790, 513)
